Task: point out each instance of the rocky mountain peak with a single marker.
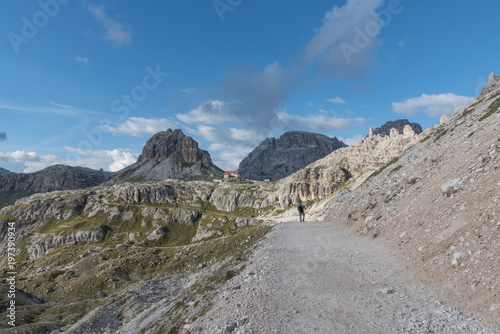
(278, 158)
(399, 125)
(493, 85)
(172, 144)
(170, 155)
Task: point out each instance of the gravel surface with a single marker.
(318, 277)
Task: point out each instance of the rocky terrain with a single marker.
(278, 158)
(177, 256)
(319, 277)
(14, 186)
(438, 204)
(399, 125)
(170, 155)
(352, 165)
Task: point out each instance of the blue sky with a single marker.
(89, 82)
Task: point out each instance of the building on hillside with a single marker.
(267, 179)
(229, 175)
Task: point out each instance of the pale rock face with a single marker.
(457, 111)
(41, 248)
(444, 119)
(157, 234)
(323, 177)
(493, 85)
(399, 125)
(408, 131)
(371, 132)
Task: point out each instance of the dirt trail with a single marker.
(318, 277)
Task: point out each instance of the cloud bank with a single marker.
(433, 105)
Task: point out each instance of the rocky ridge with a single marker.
(355, 163)
(438, 205)
(14, 186)
(278, 158)
(170, 155)
(399, 125)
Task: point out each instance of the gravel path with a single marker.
(317, 277)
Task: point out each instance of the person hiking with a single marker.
(302, 213)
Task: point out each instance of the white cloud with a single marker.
(230, 155)
(19, 156)
(82, 60)
(432, 105)
(322, 123)
(339, 32)
(353, 140)
(113, 161)
(337, 100)
(116, 32)
(211, 112)
(138, 126)
(32, 161)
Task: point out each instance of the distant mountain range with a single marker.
(17, 185)
(173, 155)
(278, 158)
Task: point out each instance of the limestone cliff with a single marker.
(278, 158)
(14, 186)
(493, 85)
(399, 125)
(170, 155)
(325, 176)
(438, 204)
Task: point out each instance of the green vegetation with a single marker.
(440, 133)
(491, 109)
(396, 169)
(76, 278)
(380, 170)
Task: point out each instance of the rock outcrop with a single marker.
(399, 125)
(14, 186)
(493, 85)
(325, 176)
(438, 204)
(53, 178)
(278, 158)
(170, 155)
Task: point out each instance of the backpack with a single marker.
(301, 207)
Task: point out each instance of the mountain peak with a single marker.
(493, 85)
(171, 154)
(278, 158)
